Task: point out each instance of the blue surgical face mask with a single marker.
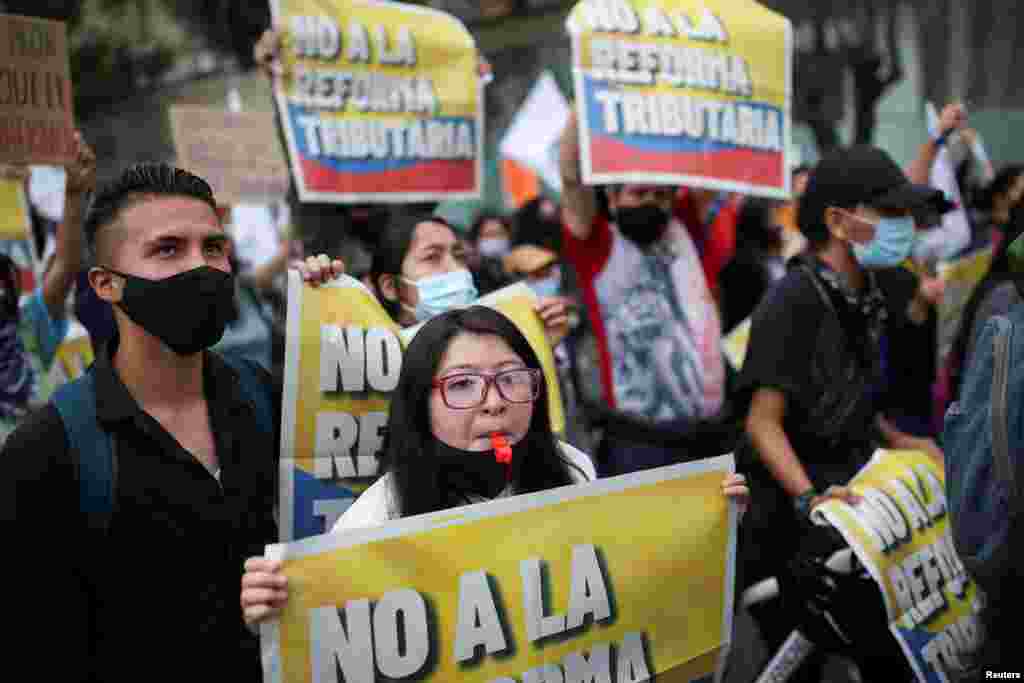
(440, 293)
(547, 287)
(893, 241)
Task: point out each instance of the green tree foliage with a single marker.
(118, 47)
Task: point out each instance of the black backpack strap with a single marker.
(94, 450)
(1001, 461)
(255, 389)
(826, 299)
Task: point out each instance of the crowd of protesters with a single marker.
(636, 287)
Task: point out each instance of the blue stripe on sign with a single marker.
(916, 640)
(307, 493)
(653, 143)
(358, 165)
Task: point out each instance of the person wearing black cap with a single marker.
(814, 373)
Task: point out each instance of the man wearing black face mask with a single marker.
(143, 571)
(656, 326)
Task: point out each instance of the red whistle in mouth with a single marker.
(502, 451)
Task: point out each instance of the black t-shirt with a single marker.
(156, 597)
(910, 351)
(802, 344)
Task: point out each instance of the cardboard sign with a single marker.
(237, 153)
(36, 119)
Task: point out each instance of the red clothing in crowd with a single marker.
(716, 239)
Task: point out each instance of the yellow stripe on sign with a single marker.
(14, 215)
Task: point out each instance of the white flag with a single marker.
(533, 137)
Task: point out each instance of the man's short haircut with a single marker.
(138, 181)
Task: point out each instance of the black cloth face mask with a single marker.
(471, 473)
(643, 224)
(188, 311)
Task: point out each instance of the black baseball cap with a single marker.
(862, 174)
(867, 175)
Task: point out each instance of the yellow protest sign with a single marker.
(621, 579)
(381, 102)
(900, 532)
(14, 217)
(684, 92)
(343, 357)
(74, 355)
(735, 344)
(961, 277)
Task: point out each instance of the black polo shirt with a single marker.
(157, 596)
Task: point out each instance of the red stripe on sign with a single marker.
(427, 176)
(37, 141)
(741, 165)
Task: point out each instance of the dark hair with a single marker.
(394, 244)
(138, 181)
(1000, 185)
(810, 214)
(532, 227)
(755, 226)
(409, 444)
(998, 273)
(483, 219)
(802, 168)
(10, 288)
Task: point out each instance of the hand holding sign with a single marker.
(81, 173)
(267, 53)
(843, 493)
(264, 590)
(316, 270)
(554, 313)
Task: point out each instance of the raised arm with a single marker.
(67, 260)
(953, 117)
(579, 199)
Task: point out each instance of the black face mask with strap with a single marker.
(462, 474)
(188, 311)
(643, 224)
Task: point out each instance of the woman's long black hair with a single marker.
(998, 273)
(409, 444)
(392, 248)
